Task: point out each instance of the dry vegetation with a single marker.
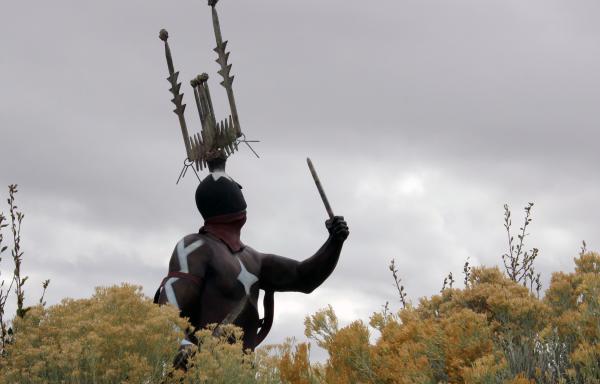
(499, 328)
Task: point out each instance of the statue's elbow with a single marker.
(307, 290)
(309, 287)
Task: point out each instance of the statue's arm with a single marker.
(283, 274)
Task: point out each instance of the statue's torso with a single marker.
(229, 284)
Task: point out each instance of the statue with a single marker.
(213, 277)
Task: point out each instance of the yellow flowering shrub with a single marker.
(116, 336)
(218, 360)
(493, 331)
(294, 366)
(351, 361)
(288, 362)
(488, 369)
(574, 301)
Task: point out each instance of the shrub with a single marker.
(218, 360)
(494, 330)
(18, 280)
(116, 336)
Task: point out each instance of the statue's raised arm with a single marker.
(286, 275)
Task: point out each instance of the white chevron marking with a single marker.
(183, 253)
(217, 174)
(246, 278)
(170, 293)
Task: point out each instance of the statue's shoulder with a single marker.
(253, 253)
(194, 242)
(248, 249)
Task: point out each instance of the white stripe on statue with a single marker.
(170, 292)
(183, 253)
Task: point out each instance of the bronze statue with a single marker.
(213, 277)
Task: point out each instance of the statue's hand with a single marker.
(338, 228)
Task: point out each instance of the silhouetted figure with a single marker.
(215, 279)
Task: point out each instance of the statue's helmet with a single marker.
(218, 194)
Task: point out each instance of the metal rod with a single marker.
(320, 188)
(177, 96)
(225, 67)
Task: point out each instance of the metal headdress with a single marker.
(217, 140)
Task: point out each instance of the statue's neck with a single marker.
(227, 228)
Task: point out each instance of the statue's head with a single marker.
(218, 194)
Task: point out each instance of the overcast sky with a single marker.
(423, 117)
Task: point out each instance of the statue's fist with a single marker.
(338, 228)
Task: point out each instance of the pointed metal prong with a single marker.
(201, 113)
(175, 90)
(225, 69)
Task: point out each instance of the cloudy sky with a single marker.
(422, 117)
